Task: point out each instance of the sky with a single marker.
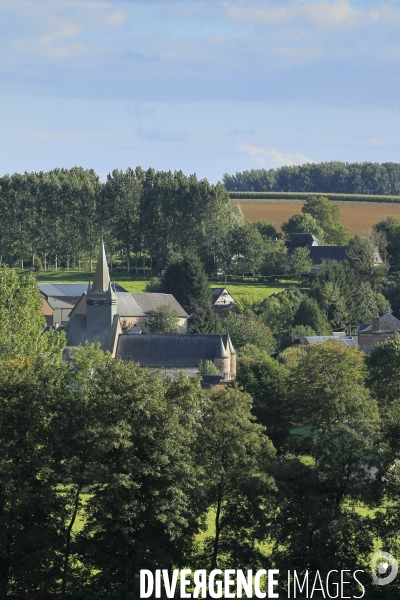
(203, 86)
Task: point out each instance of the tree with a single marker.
(390, 227)
(145, 508)
(186, 280)
(327, 215)
(384, 371)
(234, 453)
(21, 322)
(205, 321)
(315, 515)
(300, 261)
(207, 367)
(246, 247)
(361, 253)
(121, 207)
(247, 328)
(266, 381)
(32, 510)
(163, 320)
(309, 315)
(278, 310)
(276, 259)
(267, 230)
(303, 223)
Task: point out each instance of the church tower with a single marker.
(101, 300)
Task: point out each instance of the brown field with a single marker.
(358, 216)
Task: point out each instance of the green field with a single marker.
(137, 283)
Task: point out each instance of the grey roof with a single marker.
(217, 291)
(174, 351)
(61, 302)
(386, 323)
(301, 240)
(209, 381)
(127, 305)
(77, 334)
(320, 339)
(67, 289)
(221, 352)
(320, 253)
(148, 302)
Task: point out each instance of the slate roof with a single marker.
(210, 381)
(61, 301)
(148, 302)
(173, 351)
(320, 253)
(77, 334)
(127, 305)
(386, 323)
(320, 339)
(67, 289)
(301, 240)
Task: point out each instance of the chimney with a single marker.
(375, 324)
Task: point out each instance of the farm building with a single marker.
(320, 254)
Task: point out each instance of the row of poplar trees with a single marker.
(54, 219)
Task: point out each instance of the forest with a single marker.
(326, 177)
(54, 220)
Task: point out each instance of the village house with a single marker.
(221, 300)
(102, 314)
(320, 254)
(380, 330)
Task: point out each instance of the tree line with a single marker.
(107, 468)
(55, 219)
(329, 177)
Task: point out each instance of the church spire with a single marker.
(101, 280)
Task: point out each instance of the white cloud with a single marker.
(321, 14)
(52, 28)
(272, 156)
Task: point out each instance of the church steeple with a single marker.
(101, 300)
(101, 281)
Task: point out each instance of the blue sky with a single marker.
(206, 86)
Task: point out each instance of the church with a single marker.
(101, 313)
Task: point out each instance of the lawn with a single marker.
(137, 283)
(132, 283)
(258, 290)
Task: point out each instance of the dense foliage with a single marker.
(106, 468)
(333, 177)
(56, 218)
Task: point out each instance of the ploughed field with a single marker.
(358, 216)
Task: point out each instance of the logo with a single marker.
(381, 563)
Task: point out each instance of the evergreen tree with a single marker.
(205, 321)
(310, 315)
(186, 280)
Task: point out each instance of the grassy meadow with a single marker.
(137, 283)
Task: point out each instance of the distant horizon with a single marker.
(194, 173)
